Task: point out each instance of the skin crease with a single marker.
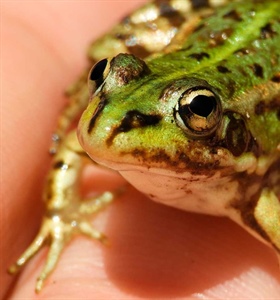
(155, 251)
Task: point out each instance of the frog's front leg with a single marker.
(66, 214)
(267, 215)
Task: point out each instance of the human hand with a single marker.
(156, 251)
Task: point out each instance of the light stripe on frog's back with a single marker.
(151, 28)
(229, 30)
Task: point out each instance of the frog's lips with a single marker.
(157, 163)
(132, 165)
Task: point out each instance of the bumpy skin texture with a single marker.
(222, 254)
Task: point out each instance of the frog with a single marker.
(182, 99)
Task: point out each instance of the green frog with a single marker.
(183, 101)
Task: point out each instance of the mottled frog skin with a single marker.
(185, 103)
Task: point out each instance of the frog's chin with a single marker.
(196, 193)
(201, 190)
(184, 190)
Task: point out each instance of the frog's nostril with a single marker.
(98, 74)
(98, 69)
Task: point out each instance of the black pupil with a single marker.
(202, 105)
(97, 71)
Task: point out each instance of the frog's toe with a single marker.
(87, 229)
(57, 232)
(34, 247)
(60, 233)
(55, 250)
(53, 230)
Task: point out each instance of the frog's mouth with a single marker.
(160, 162)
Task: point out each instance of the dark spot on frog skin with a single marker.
(276, 78)
(133, 119)
(188, 48)
(257, 69)
(49, 184)
(137, 50)
(233, 14)
(260, 108)
(223, 69)
(164, 7)
(199, 56)
(126, 21)
(267, 32)
(61, 165)
(96, 113)
(176, 19)
(132, 44)
(188, 191)
(152, 196)
(196, 4)
(264, 107)
(199, 27)
(121, 36)
(167, 11)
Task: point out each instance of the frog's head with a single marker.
(140, 117)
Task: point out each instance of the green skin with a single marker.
(130, 124)
(236, 87)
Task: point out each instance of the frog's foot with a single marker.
(58, 228)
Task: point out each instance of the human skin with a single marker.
(155, 251)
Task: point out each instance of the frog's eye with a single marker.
(97, 74)
(198, 112)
